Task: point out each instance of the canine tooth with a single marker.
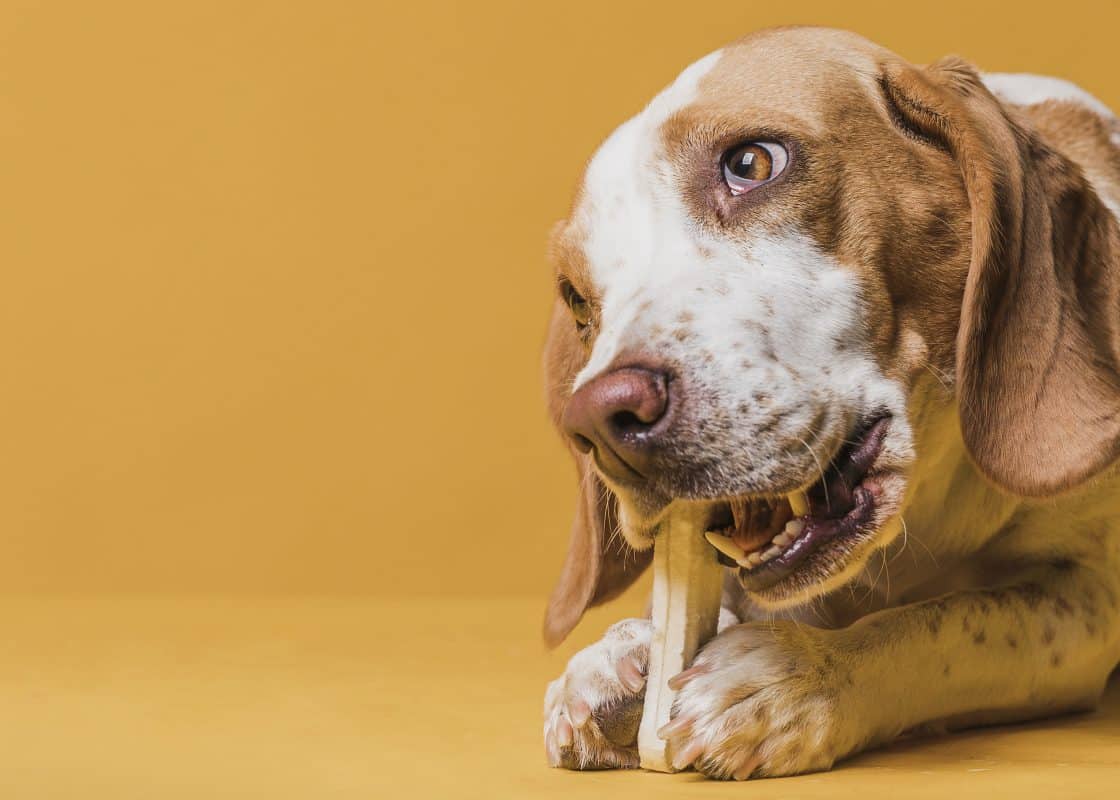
(769, 554)
(794, 528)
(725, 544)
(799, 502)
(687, 584)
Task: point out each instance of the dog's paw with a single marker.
(764, 699)
(592, 711)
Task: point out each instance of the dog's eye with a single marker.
(749, 165)
(581, 309)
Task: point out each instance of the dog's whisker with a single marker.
(820, 469)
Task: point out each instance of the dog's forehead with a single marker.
(799, 74)
(629, 212)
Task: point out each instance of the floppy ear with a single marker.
(600, 565)
(1038, 347)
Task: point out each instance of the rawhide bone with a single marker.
(687, 585)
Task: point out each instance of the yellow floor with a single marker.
(206, 697)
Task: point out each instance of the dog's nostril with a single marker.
(618, 415)
(627, 422)
(582, 443)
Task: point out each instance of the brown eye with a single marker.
(749, 165)
(581, 309)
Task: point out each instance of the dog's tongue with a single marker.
(758, 521)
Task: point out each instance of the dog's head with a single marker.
(756, 274)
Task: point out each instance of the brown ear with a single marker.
(600, 565)
(1038, 347)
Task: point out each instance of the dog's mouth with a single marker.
(769, 538)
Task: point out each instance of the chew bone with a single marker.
(687, 584)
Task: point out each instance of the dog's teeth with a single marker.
(782, 539)
(751, 560)
(794, 528)
(726, 545)
(769, 554)
(799, 502)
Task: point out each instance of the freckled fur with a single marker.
(951, 231)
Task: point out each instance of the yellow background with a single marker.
(273, 296)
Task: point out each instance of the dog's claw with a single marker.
(631, 675)
(689, 753)
(579, 712)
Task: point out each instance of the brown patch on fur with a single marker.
(1048, 634)
(1012, 642)
(1062, 608)
(568, 257)
(771, 422)
(1033, 594)
(908, 246)
(979, 637)
(1039, 333)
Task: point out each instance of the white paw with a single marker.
(764, 699)
(592, 711)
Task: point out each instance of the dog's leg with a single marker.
(1043, 644)
(778, 698)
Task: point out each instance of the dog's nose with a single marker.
(620, 415)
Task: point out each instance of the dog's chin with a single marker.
(786, 557)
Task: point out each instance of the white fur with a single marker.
(983, 610)
(731, 318)
(1024, 89)
(592, 678)
(634, 219)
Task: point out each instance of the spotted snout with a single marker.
(663, 429)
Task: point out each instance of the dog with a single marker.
(811, 266)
